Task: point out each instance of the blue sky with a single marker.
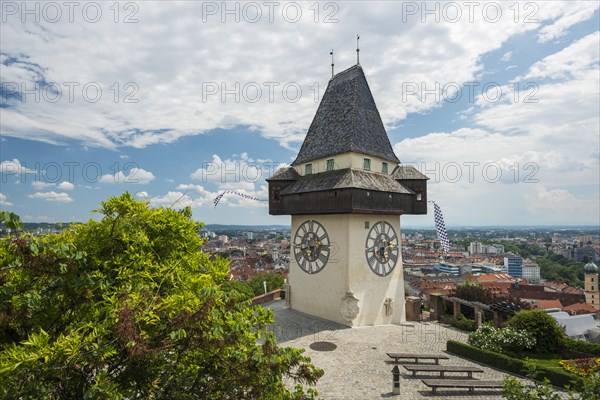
(163, 100)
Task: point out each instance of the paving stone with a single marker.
(359, 368)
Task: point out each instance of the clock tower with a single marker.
(346, 192)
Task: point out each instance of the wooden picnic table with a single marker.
(418, 356)
(442, 369)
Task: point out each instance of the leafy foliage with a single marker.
(516, 390)
(128, 307)
(504, 362)
(274, 281)
(505, 340)
(11, 220)
(548, 334)
(463, 323)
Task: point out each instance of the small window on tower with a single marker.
(330, 165)
(419, 197)
(384, 168)
(367, 164)
(308, 169)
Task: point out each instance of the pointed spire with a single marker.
(347, 120)
(357, 50)
(331, 63)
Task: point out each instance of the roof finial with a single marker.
(331, 62)
(357, 50)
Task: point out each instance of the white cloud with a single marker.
(175, 200)
(52, 196)
(506, 56)
(574, 61)
(563, 17)
(16, 168)
(106, 53)
(4, 202)
(543, 202)
(38, 185)
(135, 176)
(65, 186)
(546, 151)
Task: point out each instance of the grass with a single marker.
(551, 363)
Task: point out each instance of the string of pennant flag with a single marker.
(235, 192)
(440, 226)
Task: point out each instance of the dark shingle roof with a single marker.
(343, 179)
(284, 174)
(346, 120)
(407, 172)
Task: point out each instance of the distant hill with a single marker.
(220, 227)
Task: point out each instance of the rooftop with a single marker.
(347, 120)
(345, 178)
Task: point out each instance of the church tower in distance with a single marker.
(345, 192)
(591, 289)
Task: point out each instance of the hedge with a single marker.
(464, 324)
(510, 364)
(581, 346)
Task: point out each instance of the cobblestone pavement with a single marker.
(358, 368)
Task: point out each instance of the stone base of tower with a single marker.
(346, 290)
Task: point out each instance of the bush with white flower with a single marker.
(501, 340)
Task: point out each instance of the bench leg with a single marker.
(437, 361)
(441, 374)
(414, 372)
(470, 374)
(433, 390)
(470, 389)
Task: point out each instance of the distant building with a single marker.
(586, 252)
(480, 248)
(531, 272)
(447, 268)
(223, 238)
(250, 235)
(513, 265)
(591, 289)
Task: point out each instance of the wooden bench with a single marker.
(461, 383)
(442, 369)
(417, 356)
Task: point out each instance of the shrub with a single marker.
(515, 390)
(461, 322)
(548, 334)
(506, 340)
(592, 349)
(510, 364)
(128, 307)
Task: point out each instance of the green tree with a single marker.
(548, 334)
(274, 281)
(11, 220)
(128, 307)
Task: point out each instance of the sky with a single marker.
(176, 102)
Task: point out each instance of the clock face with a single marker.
(311, 246)
(382, 248)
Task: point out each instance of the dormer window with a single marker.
(330, 165)
(384, 168)
(308, 169)
(367, 164)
